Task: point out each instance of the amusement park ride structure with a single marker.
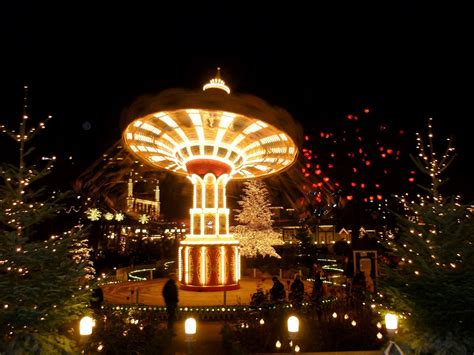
(211, 137)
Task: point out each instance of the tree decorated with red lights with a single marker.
(254, 231)
(432, 285)
(43, 279)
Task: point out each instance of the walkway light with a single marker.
(85, 325)
(293, 326)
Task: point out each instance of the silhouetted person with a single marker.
(317, 292)
(277, 292)
(170, 294)
(297, 290)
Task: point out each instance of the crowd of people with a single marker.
(295, 293)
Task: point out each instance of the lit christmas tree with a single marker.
(432, 285)
(43, 279)
(255, 231)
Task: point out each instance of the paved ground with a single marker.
(149, 293)
(208, 340)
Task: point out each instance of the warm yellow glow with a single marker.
(180, 136)
(203, 265)
(217, 83)
(237, 264)
(278, 344)
(391, 321)
(190, 326)
(223, 265)
(85, 325)
(293, 324)
(180, 264)
(186, 265)
(209, 241)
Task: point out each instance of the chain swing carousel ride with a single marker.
(211, 136)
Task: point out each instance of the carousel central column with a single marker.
(209, 257)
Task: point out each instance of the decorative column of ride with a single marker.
(209, 256)
(210, 137)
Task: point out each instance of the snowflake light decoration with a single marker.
(144, 219)
(93, 214)
(119, 216)
(109, 216)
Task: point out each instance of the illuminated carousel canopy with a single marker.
(194, 132)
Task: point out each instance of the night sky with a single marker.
(86, 61)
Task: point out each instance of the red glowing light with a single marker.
(383, 155)
(362, 186)
(306, 138)
(412, 179)
(349, 198)
(353, 184)
(308, 166)
(367, 163)
(326, 179)
(379, 197)
(366, 110)
(317, 172)
(350, 117)
(354, 170)
(330, 166)
(389, 151)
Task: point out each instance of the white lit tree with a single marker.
(432, 285)
(43, 278)
(255, 231)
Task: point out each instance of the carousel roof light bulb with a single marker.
(278, 344)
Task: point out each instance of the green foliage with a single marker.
(433, 283)
(43, 279)
(130, 332)
(430, 277)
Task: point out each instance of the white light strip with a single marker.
(168, 120)
(237, 264)
(226, 119)
(169, 139)
(183, 136)
(251, 146)
(138, 123)
(270, 139)
(195, 117)
(157, 158)
(180, 264)
(223, 265)
(223, 239)
(203, 266)
(141, 137)
(237, 140)
(186, 265)
(151, 128)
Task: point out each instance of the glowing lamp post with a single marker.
(190, 331)
(85, 325)
(211, 137)
(293, 326)
(391, 324)
(85, 330)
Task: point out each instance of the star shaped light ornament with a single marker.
(93, 214)
(144, 219)
(119, 216)
(109, 216)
